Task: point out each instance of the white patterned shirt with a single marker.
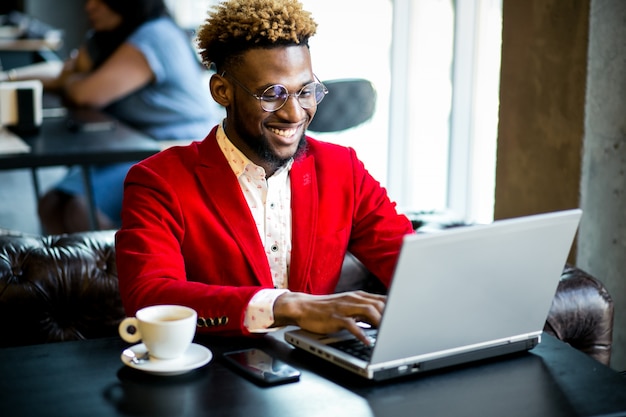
(269, 200)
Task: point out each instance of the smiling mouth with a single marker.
(285, 133)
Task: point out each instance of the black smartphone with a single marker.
(261, 367)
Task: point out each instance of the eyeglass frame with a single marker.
(295, 95)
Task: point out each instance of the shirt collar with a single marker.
(237, 160)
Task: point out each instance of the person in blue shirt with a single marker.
(137, 65)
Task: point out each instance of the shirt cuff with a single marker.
(259, 314)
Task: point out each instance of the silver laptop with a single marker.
(459, 295)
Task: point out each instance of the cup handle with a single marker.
(125, 334)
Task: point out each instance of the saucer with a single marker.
(195, 357)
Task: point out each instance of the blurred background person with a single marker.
(139, 66)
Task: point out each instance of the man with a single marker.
(250, 226)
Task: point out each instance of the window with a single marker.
(474, 115)
(422, 59)
(443, 127)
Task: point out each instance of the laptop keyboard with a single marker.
(357, 348)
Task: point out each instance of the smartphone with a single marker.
(261, 367)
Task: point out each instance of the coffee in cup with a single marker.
(166, 330)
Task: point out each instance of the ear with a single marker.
(221, 90)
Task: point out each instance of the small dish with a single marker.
(195, 357)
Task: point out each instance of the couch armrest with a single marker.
(582, 314)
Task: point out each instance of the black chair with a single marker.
(349, 103)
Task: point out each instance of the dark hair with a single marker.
(236, 26)
(134, 13)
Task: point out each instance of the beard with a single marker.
(260, 146)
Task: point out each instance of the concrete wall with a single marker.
(550, 104)
(602, 235)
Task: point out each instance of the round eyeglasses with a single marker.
(274, 97)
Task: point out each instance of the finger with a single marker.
(369, 314)
(372, 296)
(362, 297)
(357, 331)
(372, 311)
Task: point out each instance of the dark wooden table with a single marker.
(55, 144)
(87, 378)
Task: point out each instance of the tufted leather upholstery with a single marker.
(582, 314)
(65, 287)
(58, 288)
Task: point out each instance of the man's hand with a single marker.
(330, 313)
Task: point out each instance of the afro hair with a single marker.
(235, 26)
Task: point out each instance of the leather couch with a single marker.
(64, 287)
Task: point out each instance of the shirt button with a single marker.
(274, 248)
(272, 205)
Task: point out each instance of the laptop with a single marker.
(460, 295)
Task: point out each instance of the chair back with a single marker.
(349, 103)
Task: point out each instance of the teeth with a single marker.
(284, 133)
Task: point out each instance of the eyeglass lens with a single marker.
(275, 96)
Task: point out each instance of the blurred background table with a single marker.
(56, 144)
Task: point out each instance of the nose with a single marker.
(292, 110)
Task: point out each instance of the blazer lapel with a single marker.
(304, 212)
(224, 193)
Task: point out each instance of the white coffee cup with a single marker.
(166, 330)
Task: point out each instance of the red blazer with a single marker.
(188, 236)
